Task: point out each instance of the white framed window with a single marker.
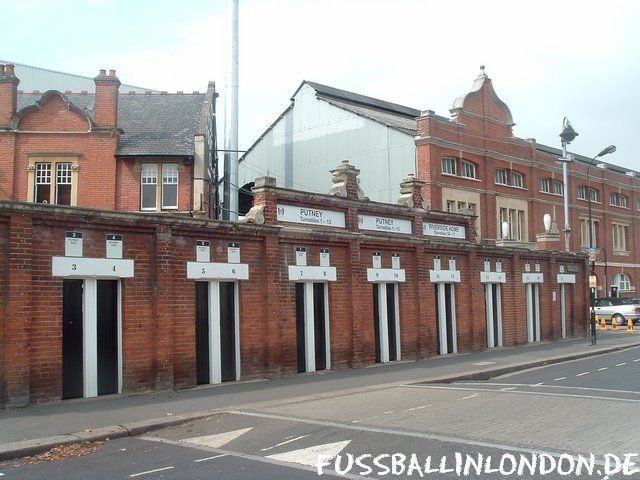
(557, 187)
(42, 191)
(613, 199)
(468, 169)
(149, 187)
(515, 218)
(545, 185)
(53, 183)
(619, 233)
(638, 205)
(170, 186)
(584, 232)
(623, 201)
(582, 193)
(451, 206)
(450, 165)
(517, 179)
(623, 282)
(501, 176)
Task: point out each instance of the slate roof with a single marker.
(153, 124)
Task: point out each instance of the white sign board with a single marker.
(203, 252)
(301, 256)
(566, 278)
(395, 261)
(217, 271)
(310, 216)
(384, 224)
(431, 229)
(73, 244)
(385, 275)
(532, 277)
(91, 267)
(320, 274)
(493, 277)
(444, 276)
(233, 253)
(114, 246)
(377, 260)
(325, 260)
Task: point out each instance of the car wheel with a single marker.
(619, 319)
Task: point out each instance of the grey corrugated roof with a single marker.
(153, 124)
(587, 160)
(405, 124)
(36, 78)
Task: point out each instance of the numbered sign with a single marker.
(217, 271)
(377, 260)
(203, 251)
(73, 244)
(114, 246)
(319, 274)
(301, 256)
(233, 252)
(395, 261)
(324, 257)
(385, 275)
(91, 267)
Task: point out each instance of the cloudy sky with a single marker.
(547, 59)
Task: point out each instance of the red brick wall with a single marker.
(158, 303)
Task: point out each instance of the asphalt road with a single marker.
(580, 407)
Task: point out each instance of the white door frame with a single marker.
(442, 319)
(489, 300)
(215, 347)
(90, 336)
(533, 312)
(309, 327)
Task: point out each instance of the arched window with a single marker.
(622, 281)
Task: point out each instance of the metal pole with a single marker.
(565, 181)
(231, 116)
(592, 291)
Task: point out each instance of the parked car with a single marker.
(618, 310)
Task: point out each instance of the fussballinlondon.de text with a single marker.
(464, 465)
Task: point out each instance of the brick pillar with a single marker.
(264, 202)
(163, 340)
(346, 182)
(18, 308)
(358, 282)
(272, 311)
(106, 107)
(411, 193)
(8, 94)
(476, 299)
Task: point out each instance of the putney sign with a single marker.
(310, 216)
(385, 224)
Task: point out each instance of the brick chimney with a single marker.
(346, 182)
(8, 94)
(411, 193)
(106, 108)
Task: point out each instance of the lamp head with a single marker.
(547, 222)
(607, 151)
(505, 230)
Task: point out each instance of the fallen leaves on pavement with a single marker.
(60, 452)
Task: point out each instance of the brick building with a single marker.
(95, 302)
(470, 162)
(107, 149)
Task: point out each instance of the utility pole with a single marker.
(231, 116)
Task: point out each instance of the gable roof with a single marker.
(153, 124)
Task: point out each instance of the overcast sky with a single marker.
(547, 59)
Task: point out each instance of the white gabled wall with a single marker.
(313, 137)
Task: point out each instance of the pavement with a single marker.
(38, 428)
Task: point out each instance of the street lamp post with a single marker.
(593, 287)
(566, 137)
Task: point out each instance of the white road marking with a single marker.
(216, 440)
(482, 364)
(547, 394)
(637, 360)
(309, 456)
(550, 386)
(537, 384)
(283, 443)
(423, 406)
(559, 378)
(255, 458)
(388, 412)
(470, 396)
(621, 364)
(603, 368)
(151, 471)
(508, 389)
(388, 431)
(211, 458)
(583, 373)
